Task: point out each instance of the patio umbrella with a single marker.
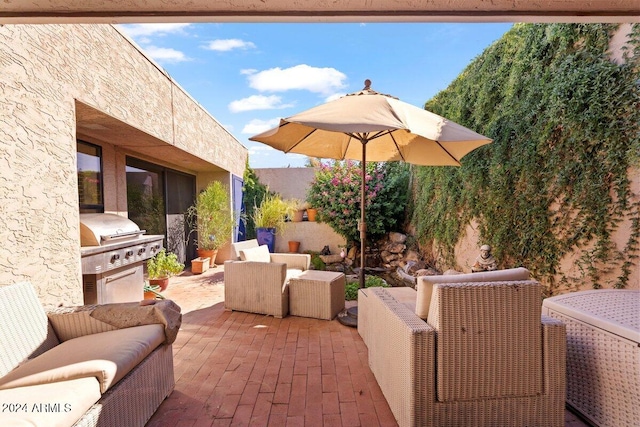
(370, 126)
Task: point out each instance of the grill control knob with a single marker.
(128, 254)
(115, 257)
(141, 251)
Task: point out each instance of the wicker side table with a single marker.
(317, 294)
(603, 353)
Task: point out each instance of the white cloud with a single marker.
(225, 45)
(334, 96)
(146, 30)
(256, 126)
(163, 54)
(257, 102)
(144, 33)
(302, 77)
(248, 71)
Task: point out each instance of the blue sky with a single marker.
(248, 76)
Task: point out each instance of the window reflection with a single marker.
(89, 160)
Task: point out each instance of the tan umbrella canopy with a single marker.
(369, 126)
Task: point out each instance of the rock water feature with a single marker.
(389, 258)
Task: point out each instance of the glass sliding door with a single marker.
(145, 196)
(157, 200)
(181, 190)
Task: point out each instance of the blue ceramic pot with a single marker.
(267, 236)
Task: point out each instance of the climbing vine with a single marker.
(564, 120)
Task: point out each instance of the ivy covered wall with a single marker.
(557, 183)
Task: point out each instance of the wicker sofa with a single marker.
(484, 355)
(256, 281)
(108, 365)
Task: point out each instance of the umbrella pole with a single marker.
(362, 226)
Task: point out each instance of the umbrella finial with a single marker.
(367, 84)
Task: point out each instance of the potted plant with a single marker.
(152, 291)
(299, 207)
(294, 246)
(200, 265)
(270, 219)
(161, 267)
(211, 218)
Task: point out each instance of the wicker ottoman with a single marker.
(603, 353)
(317, 294)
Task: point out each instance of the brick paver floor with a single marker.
(242, 369)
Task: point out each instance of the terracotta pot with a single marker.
(294, 246)
(298, 215)
(208, 253)
(149, 295)
(163, 283)
(311, 214)
(199, 265)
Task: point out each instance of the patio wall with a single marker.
(293, 183)
(51, 77)
(468, 248)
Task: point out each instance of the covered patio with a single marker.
(243, 369)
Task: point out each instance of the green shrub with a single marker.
(316, 262)
(336, 190)
(351, 288)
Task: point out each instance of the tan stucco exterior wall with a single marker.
(290, 183)
(44, 70)
(468, 249)
(293, 183)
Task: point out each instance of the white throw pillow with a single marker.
(259, 254)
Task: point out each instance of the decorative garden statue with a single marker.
(485, 261)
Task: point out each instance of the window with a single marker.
(90, 190)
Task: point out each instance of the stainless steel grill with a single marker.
(113, 251)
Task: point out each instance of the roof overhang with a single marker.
(140, 11)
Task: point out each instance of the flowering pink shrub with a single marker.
(335, 192)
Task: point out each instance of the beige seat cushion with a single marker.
(58, 404)
(259, 254)
(107, 356)
(424, 284)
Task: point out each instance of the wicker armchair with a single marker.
(257, 282)
(484, 356)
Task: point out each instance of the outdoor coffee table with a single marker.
(603, 353)
(317, 294)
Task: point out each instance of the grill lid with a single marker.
(97, 229)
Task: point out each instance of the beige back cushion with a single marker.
(238, 246)
(424, 284)
(259, 254)
(489, 339)
(25, 331)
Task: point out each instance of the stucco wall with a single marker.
(468, 248)
(291, 183)
(313, 236)
(44, 69)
